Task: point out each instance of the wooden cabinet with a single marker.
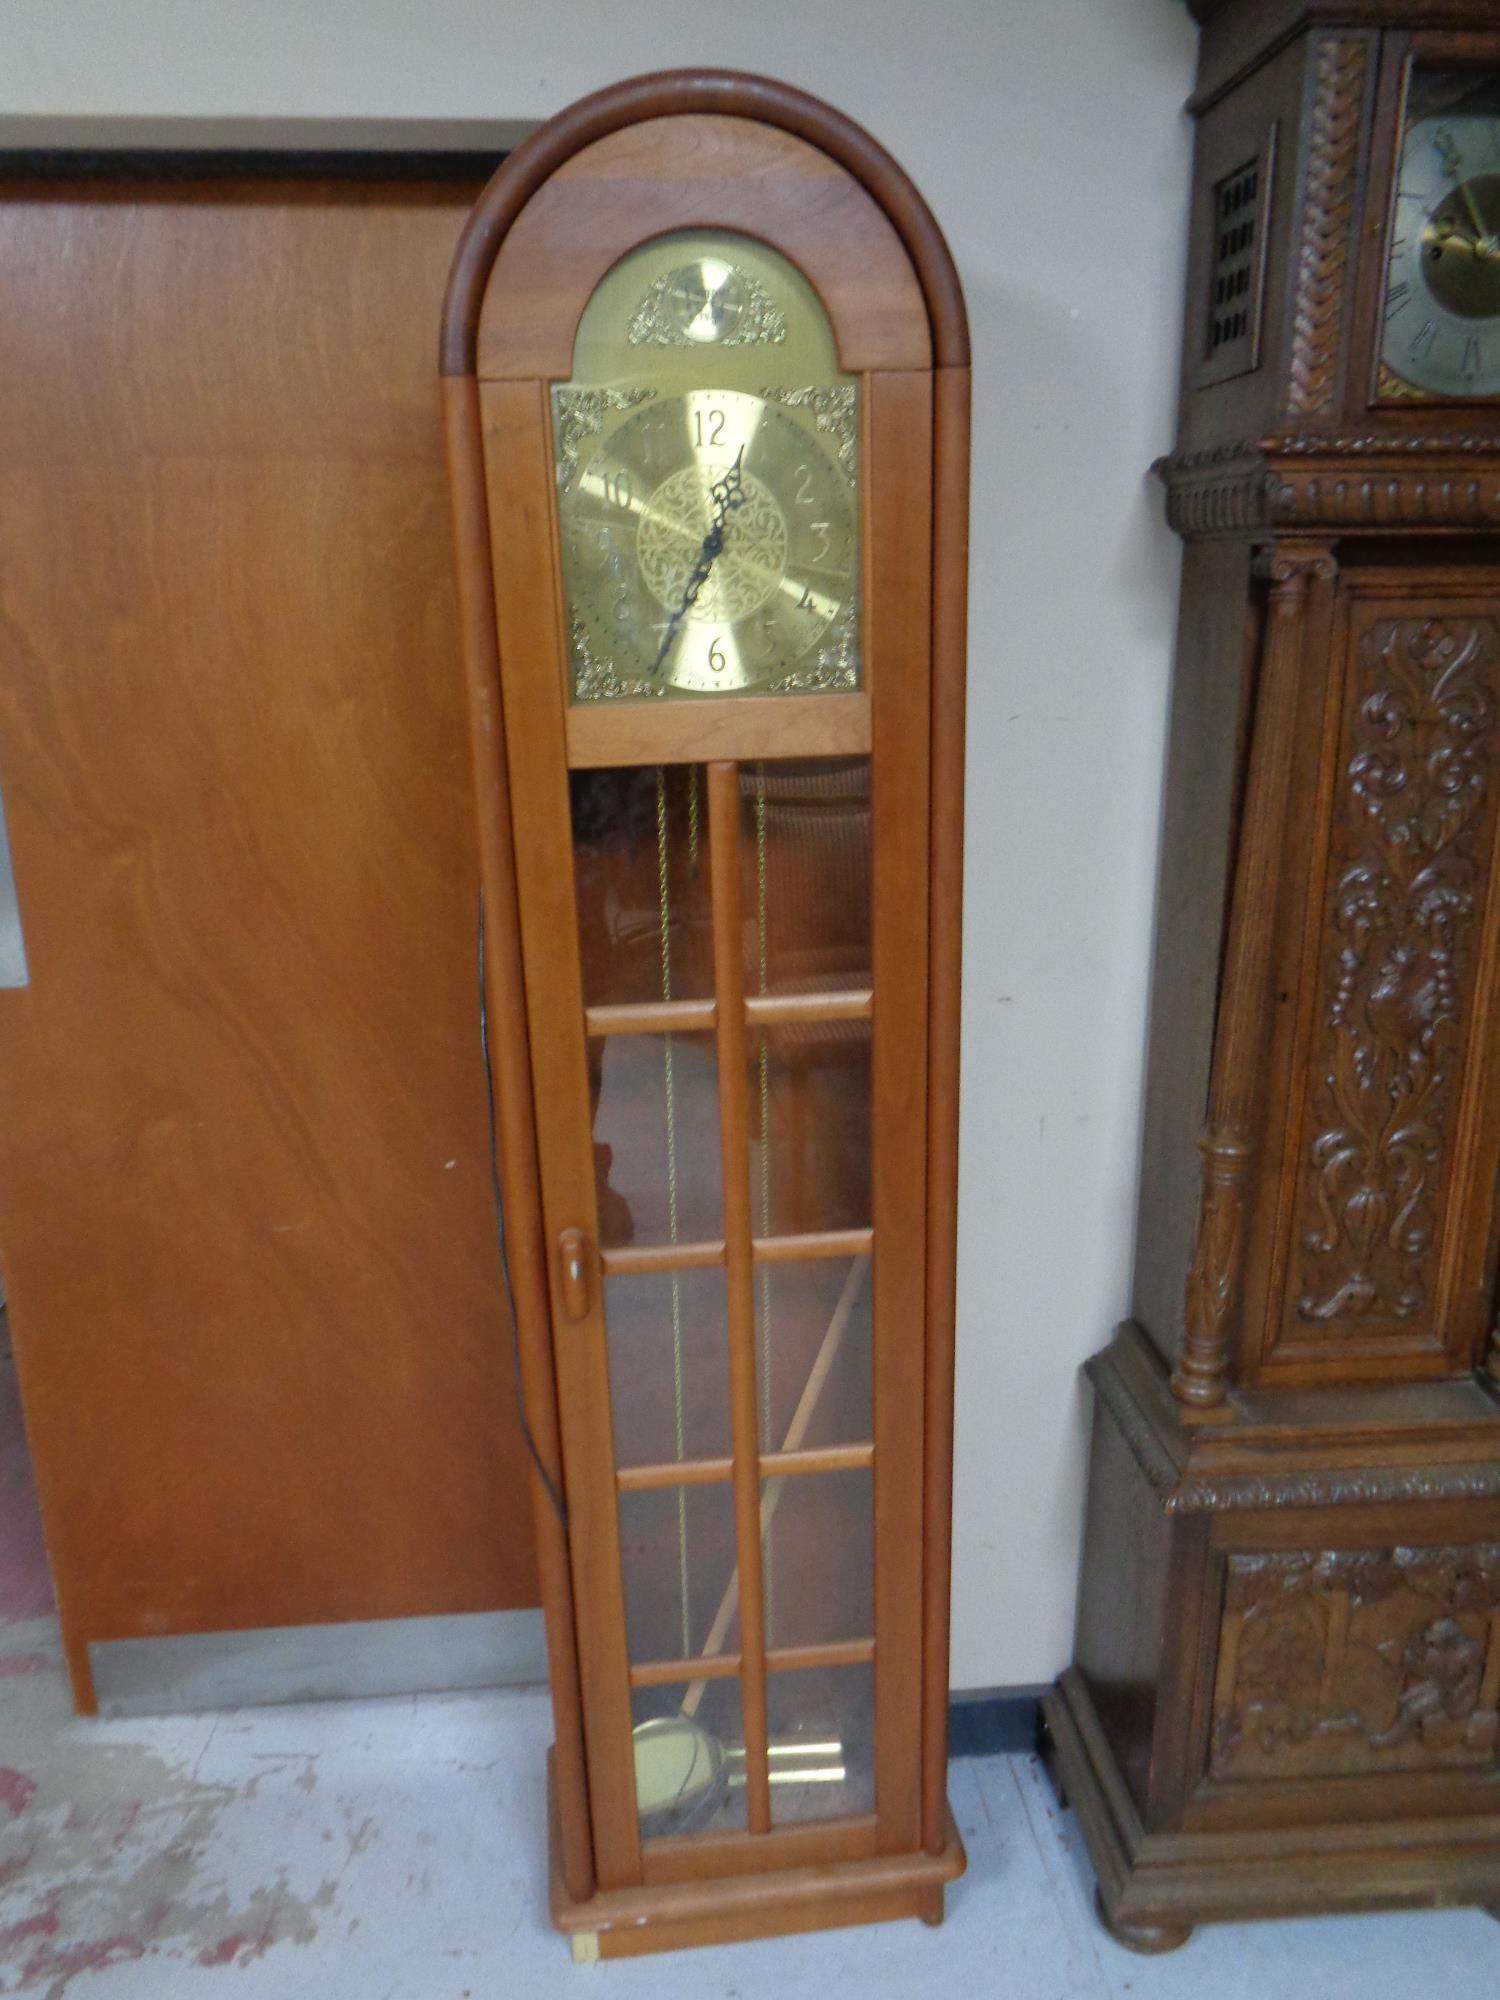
(1287, 1671)
(706, 378)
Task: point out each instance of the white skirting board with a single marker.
(287, 1663)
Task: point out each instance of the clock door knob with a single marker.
(573, 1272)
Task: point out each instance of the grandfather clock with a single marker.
(1287, 1668)
(706, 390)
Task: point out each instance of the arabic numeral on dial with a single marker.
(707, 433)
(1422, 340)
(617, 488)
(804, 494)
(824, 532)
(716, 657)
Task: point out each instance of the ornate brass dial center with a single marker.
(1461, 249)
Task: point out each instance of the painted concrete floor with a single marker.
(392, 1850)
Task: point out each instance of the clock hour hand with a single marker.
(727, 495)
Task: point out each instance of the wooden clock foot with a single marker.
(1147, 1939)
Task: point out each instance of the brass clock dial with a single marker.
(709, 542)
(1442, 300)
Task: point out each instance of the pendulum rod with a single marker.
(663, 883)
(739, 1272)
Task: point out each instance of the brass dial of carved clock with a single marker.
(1442, 297)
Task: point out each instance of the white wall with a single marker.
(1049, 138)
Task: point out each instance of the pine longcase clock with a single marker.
(1286, 1689)
(707, 404)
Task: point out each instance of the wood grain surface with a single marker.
(244, 1183)
(685, 172)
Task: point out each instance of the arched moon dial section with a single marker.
(709, 542)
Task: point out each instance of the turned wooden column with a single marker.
(1228, 1142)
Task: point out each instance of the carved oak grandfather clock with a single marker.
(1287, 1668)
(706, 391)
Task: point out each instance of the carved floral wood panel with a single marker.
(1343, 1662)
(1409, 864)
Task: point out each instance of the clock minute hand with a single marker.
(1453, 165)
(1481, 234)
(727, 495)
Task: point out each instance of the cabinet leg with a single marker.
(1144, 1938)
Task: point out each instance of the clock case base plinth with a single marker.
(733, 1909)
(1355, 1534)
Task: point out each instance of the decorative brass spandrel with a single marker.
(706, 300)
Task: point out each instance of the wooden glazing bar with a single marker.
(649, 1017)
(765, 1010)
(734, 1127)
(642, 1258)
(950, 542)
(690, 731)
(674, 1472)
(814, 1243)
(727, 1665)
(671, 1673)
(836, 1653)
(830, 1458)
(515, 1114)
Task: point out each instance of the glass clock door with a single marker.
(724, 936)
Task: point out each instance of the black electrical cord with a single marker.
(553, 1495)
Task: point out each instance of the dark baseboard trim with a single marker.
(220, 163)
(994, 1722)
(43, 149)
